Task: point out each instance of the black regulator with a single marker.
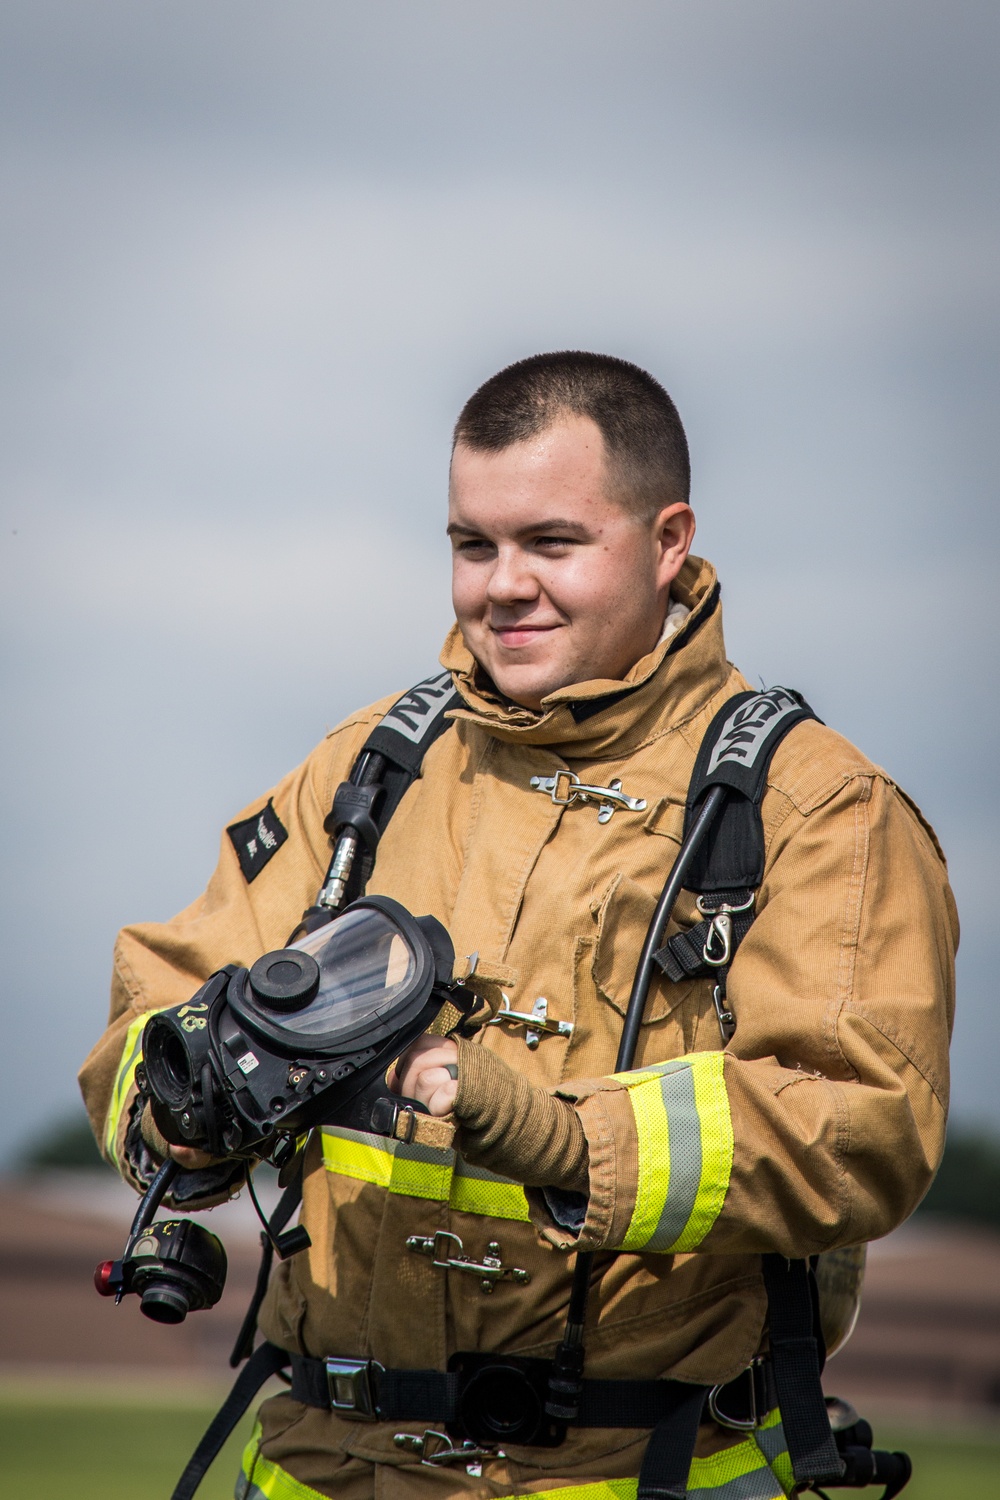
(174, 1266)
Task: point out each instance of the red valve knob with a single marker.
(102, 1278)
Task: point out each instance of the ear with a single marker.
(673, 533)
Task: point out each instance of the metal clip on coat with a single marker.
(436, 1449)
(490, 1269)
(534, 1022)
(565, 788)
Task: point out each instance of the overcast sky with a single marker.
(253, 257)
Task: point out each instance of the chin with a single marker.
(522, 689)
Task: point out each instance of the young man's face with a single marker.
(553, 583)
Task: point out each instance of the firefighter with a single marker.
(588, 653)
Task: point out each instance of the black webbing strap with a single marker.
(666, 1463)
(683, 955)
(795, 1360)
(263, 1363)
(402, 738)
(736, 753)
(286, 1206)
(432, 1396)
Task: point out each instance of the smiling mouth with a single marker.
(520, 635)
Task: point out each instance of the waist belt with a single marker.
(463, 1396)
(363, 1390)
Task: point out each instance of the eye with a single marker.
(473, 546)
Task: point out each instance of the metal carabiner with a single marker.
(718, 946)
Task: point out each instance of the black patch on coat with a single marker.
(256, 839)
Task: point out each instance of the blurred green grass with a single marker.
(53, 1449)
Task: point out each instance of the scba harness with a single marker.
(485, 1400)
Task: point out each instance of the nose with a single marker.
(512, 579)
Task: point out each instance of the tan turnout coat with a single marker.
(834, 1086)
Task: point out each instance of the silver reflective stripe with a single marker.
(685, 1158)
(758, 1485)
(771, 1442)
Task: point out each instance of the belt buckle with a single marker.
(350, 1385)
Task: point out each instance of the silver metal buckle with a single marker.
(565, 788)
(535, 1022)
(351, 1388)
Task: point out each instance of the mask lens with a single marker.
(365, 964)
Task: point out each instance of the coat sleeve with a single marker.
(160, 964)
(822, 1122)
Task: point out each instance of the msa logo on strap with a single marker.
(749, 728)
(256, 839)
(414, 714)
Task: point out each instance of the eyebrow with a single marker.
(555, 523)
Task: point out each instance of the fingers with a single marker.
(428, 1072)
(191, 1158)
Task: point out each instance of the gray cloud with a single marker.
(260, 255)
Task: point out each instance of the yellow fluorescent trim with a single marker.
(654, 1162)
(738, 1473)
(685, 1141)
(124, 1078)
(712, 1103)
(422, 1172)
(495, 1200)
(263, 1480)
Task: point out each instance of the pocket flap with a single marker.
(623, 919)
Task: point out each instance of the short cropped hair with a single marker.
(647, 452)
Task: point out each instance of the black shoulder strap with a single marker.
(386, 766)
(736, 753)
(404, 735)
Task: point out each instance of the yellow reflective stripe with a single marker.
(415, 1171)
(685, 1132)
(422, 1172)
(604, 1489)
(476, 1191)
(742, 1472)
(770, 1439)
(124, 1078)
(263, 1480)
(712, 1102)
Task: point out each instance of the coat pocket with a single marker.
(623, 917)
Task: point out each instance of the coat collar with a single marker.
(604, 718)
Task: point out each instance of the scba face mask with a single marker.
(305, 1036)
